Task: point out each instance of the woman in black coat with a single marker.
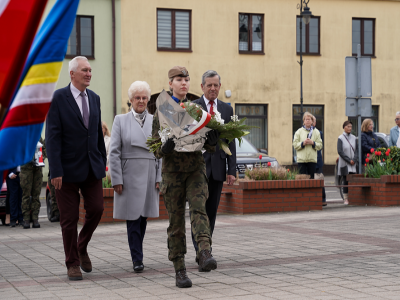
(369, 139)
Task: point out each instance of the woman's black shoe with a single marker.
(138, 266)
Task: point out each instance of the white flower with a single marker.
(164, 134)
(235, 118)
(217, 116)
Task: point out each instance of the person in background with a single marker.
(219, 165)
(307, 141)
(394, 139)
(369, 139)
(348, 156)
(7, 220)
(55, 212)
(13, 185)
(106, 135)
(320, 163)
(31, 183)
(136, 193)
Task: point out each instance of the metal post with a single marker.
(359, 112)
(301, 62)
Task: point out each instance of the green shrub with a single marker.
(383, 161)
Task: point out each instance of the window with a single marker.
(364, 34)
(174, 30)
(256, 116)
(310, 36)
(374, 118)
(317, 111)
(81, 40)
(251, 33)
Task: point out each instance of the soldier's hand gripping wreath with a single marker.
(168, 147)
(212, 137)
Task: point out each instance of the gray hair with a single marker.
(139, 86)
(398, 113)
(209, 74)
(73, 64)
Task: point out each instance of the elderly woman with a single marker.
(369, 140)
(348, 156)
(135, 172)
(307, 141)
(106, 136)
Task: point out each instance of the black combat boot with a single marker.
(55, 219)
(27, 225)
(182, 280)
(206, 261)
(36, 224)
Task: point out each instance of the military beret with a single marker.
(178, 71)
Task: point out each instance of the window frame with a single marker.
(362, 36)
(307, 29)
(250, 32)
(173, 32)
(78, 37)
(265, 117)
(373, 118)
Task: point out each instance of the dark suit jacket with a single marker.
(320, 161)
(73, 149)
(216, 162)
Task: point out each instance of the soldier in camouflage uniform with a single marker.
(55, 213)
(184, 177)
(31, 183)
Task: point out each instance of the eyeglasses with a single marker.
(397, 119)
(144, 99)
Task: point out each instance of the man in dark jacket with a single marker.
(77, 161)
(217, 162)
(320, 162)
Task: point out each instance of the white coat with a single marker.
(133, 166)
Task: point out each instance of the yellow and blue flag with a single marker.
(23, 123)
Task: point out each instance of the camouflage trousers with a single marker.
(176, 188)
(54, 206)
(31, 184)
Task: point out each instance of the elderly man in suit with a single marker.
(217, 162)
(77, 161)
(135, 171)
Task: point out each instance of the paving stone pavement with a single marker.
(339, 253)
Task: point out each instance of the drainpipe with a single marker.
(114, 60)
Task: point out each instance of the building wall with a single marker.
(101, 82)
(273, 78)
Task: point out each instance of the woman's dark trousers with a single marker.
(13, 185)
(308, 168)
(345, 182)
(136, 230)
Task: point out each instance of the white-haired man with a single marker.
(77, 161)
(394, 139)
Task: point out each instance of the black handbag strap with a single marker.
(349, 144)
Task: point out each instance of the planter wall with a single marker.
(252, 197)
(384, 191)
(108, 196)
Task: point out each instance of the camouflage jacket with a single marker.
(179, 161)
(30, 164)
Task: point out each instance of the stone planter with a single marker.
(384, 191)
(108, 196)
(253, 197)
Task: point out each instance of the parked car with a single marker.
(3, 196)
(247, 157)
(339, 180)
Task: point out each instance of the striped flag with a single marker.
(22, 126)
(24, 18)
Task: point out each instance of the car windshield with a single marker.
(245, 147)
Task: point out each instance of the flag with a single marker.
(22, 126)
(19, 21)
